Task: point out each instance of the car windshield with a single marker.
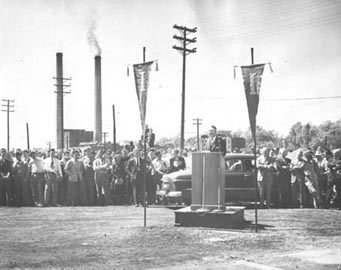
(239, 165)
(234, 165)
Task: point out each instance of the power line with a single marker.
(281, 12)
(301, 13)
(307, 98)
(271, 99)
(276, 30)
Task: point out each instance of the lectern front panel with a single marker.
(208, 181)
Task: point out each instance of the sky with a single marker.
(300, 38)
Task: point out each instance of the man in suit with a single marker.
(5, 179)
(215, 142)
(150, 138)
(74, 169)
(134, 169)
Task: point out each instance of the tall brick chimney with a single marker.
(98, 100)
(60, 103)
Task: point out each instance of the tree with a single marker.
(326, 135)
(265, 138)
(295, 134)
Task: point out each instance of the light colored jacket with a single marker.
(74, 169)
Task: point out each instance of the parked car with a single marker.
(239, 174)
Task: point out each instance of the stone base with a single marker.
(232, 217)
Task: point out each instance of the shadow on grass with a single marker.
(244, 226)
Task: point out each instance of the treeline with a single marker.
(327, 134)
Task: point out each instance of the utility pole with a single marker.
(104, 134)
(145, 161)
(27, 137)
(9, 105)
(197, 122)
(184, 51)
(255, 161)
(114, 127)
(60, 91)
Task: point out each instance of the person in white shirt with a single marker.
(38, 178)
(101, 166)
(53, 177)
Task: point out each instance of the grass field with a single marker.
(114, 238)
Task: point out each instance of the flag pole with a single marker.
(145, 161)
(255, 159)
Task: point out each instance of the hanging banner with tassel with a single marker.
(252, 76)
(142, 76)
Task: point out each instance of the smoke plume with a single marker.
(92, 38)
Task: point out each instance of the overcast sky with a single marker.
(300, 38)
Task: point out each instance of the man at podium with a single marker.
(215, 142)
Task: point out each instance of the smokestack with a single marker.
(98, 100)
(60, 103)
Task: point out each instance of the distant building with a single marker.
(73, 137)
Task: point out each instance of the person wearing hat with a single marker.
(216, 143)
(5, 179)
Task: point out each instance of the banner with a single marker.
(142, 74)
(252, 76)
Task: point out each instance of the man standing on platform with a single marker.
(215, 142)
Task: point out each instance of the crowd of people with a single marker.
(84, 178)
(304, 178)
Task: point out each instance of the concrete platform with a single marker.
(232, 217)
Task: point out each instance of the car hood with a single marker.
(179, 175)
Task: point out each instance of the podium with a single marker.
(208, 181)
